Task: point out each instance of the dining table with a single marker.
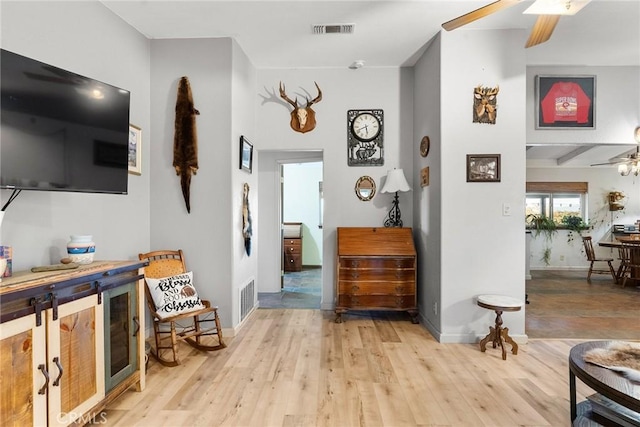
(633, 240)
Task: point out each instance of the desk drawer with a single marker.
(293, 250)
(292, 243)
(292, 262)
(377, 288)
(361, 302)
(407, 274)
(377, 263)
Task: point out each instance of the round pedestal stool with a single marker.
(499, 335)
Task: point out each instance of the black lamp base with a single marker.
(393, 217)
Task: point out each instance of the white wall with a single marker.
(428, 200)
(569, 255)
(616, 115)
(86, 38)
(342, 89)
(221, 80)
(243, 112)
(617, 106)
(482, 251)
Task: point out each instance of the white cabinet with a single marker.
(52, 343)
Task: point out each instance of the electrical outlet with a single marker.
(435, 308)
(561, 257)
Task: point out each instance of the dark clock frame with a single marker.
(365, 153)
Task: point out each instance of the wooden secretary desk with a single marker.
(375, 270)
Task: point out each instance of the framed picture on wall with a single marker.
(565, 102)
(246, 154)
(135, 150)
(483, 167)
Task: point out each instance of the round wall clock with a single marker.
(365, 137)
(636, 134)
(365, 126)
(425, 144)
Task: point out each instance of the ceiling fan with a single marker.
(548, 11)
(630, 163)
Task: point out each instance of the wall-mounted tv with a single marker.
(60, 131)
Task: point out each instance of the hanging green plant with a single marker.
(541, 225)
(575, 224)
(546, 256)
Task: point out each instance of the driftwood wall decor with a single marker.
(185, 139)
(485, 104)
(303, 119)
(247, 229)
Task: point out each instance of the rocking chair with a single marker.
(196, 326)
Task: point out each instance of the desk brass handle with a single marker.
(355, 275)
(355, 288)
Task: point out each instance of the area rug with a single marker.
(619, 356)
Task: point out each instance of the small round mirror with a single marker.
(365, 188)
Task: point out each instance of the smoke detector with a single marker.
(333, 28)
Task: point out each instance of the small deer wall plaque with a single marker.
(485, 104)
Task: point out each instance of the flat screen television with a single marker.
(60, 131)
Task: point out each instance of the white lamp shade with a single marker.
(395, 182)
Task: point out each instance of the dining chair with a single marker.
(591, 257)
(629, 254)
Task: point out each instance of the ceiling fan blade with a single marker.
(478, 13)
(621, 162)
(542, 29)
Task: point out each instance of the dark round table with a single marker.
(602, 380)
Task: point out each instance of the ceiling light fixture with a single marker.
(357, 64)
(556, 7)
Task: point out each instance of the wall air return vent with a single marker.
(333, 28)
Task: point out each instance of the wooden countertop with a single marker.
(26, 279)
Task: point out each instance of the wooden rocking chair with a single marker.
(187, 326)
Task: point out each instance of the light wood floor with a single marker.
(296, 367)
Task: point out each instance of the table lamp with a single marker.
(395, 182)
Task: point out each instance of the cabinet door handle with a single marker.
(43, 389)
(56, 360)
(137, 322)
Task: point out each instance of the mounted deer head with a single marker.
(303, 119)
(484, 104)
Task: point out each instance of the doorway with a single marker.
(300, 243)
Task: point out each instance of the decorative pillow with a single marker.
(174, 295)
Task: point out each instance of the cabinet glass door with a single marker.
(121, 330)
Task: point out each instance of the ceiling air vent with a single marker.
(334, 28)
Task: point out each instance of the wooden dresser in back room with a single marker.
(292, 246)
(375, 270)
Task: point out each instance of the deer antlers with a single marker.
(303, 119)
